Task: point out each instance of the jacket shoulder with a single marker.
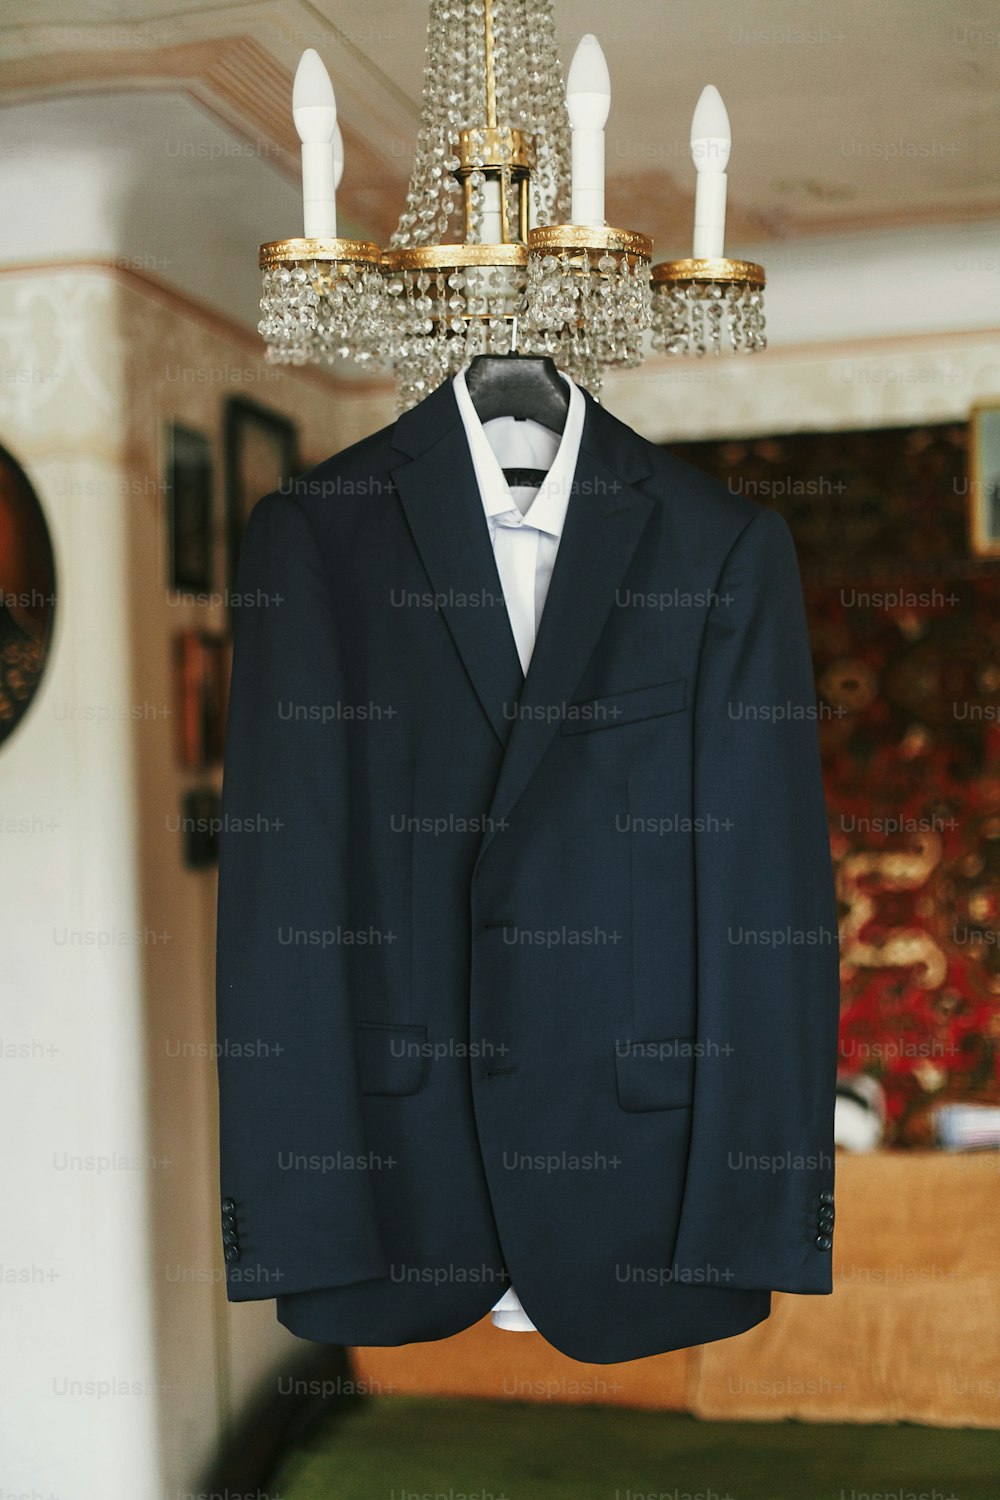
(359, 472)
(682, 485)
(697, 500)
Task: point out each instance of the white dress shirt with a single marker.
(525, 529)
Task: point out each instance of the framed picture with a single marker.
(189, 509)
(261, 455)
(984, 479)
(27, 593)
(201, 691)
(201, 819)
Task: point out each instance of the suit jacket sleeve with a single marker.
(761, 1149)
(300, 1215)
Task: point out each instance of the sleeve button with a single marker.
(823, 1242)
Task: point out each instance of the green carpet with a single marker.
(417, 1448)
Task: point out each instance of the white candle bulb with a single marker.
(711, 139)
(338, 156)
(314, 110)
(492, 227)
(588, 100)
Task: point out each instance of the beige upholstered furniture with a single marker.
(912, 1332)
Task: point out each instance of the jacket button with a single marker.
(228, 1206)
(823, 1242)
(232, 1252)
(826, 1196)
(230, 1237)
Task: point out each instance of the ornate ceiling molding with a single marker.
(239, 82)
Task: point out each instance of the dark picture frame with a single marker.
(984, 479)
(189, 482)
(261, 455)
(28, 594)
(202, 663)
(201, 818)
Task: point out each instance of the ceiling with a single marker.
(845, 119)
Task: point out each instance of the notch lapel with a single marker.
(436, 482)
(604, 521)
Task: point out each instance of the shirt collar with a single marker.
(547, 511)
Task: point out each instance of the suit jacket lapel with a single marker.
(436, 482)
(437, 486)
(604, 522)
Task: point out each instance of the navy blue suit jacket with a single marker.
(523, 981)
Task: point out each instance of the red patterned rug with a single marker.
(905, 631)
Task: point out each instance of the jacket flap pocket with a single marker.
(657, 1074)
(625, 708)
(392, 1058)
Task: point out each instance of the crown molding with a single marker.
(238, 81)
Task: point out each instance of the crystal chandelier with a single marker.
(502, 245)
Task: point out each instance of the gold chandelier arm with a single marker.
(552, 239)
(722, 272)
(278, 253)
(433, 258)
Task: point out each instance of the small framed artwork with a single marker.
(261, 455)
(984, 479)
(27, 593)
(188, 483)
(202, 661)
(201, 819)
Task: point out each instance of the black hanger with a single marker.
(518, 385)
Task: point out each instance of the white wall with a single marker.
(124, 1359)
(939, 278)
(79, 1381)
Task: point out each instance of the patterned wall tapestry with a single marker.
(905, 629)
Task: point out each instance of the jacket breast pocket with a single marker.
(392, 1058)
(655, 1075)
(629, 707)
